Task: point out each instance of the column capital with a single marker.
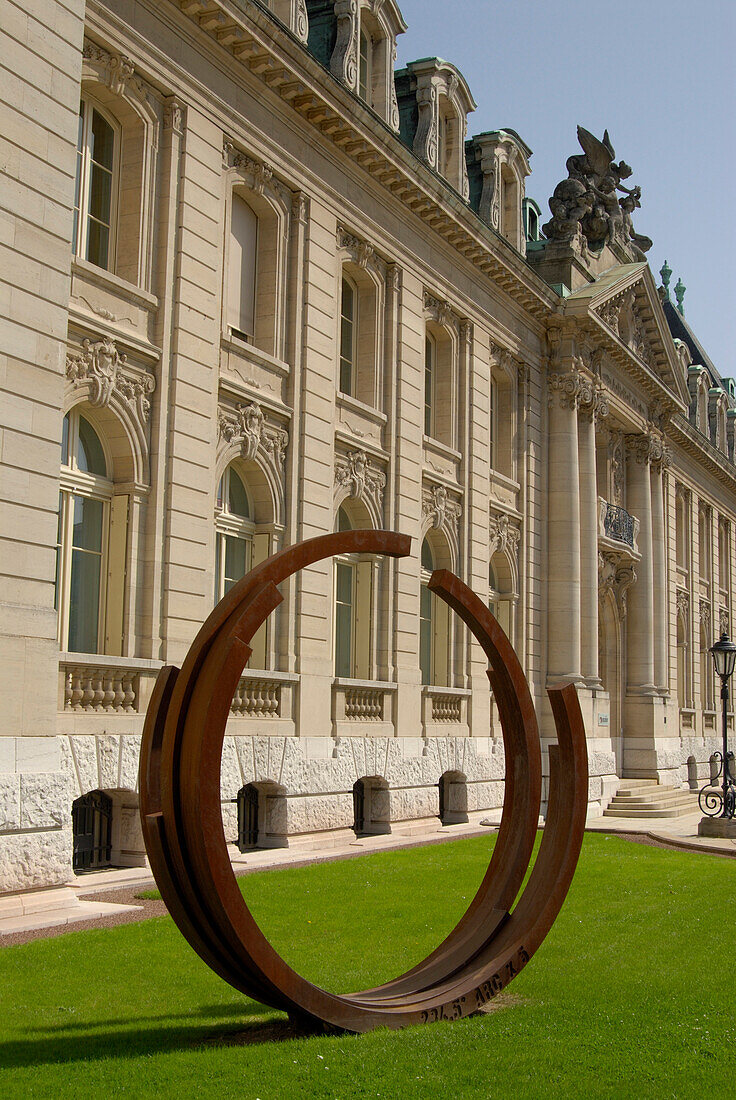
(571, 389)
(577, 390)
(648, 449)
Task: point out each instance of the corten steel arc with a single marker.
(182, 821)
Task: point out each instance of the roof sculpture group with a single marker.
(587, 204)
(182, 821)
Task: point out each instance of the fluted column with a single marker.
(563, 601)
(659, 549)
(593, 407)
(641, 595)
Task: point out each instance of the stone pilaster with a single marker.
(592, 408)
(563, 600)
(659, 549)
(641, 598)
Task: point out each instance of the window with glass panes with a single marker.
(242, 268)
(348, 335)
(430, 363)
(364, 69)
(345, 583)
(426, 617)
(234, 532)
(82, 538)
(95, 193)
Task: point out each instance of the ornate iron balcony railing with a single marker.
(619, 525)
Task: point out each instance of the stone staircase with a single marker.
(648, 798)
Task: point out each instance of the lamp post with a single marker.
(711, 799)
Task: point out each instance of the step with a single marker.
(647, 800)
(639, 783)
(654, 804)
(646, 794)
(674, 811)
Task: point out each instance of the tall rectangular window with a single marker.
(344, 617)
(348, 333)
(95, 186)
(429, 370)
(242, 269)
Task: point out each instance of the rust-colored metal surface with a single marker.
(182, 821)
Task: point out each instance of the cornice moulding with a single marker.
(276, 56)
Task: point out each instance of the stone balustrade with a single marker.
(364, 704)
(263, 695)
(443, 706)
(357, 702)
(95, 684)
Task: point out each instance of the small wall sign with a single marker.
(602, 719)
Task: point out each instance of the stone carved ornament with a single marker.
(344, 60)
(586, 205)
(116, 71)
(723, 620)
(441, 508)
(618, 469)
(576, 390)
(360, 252)
(262, 178)
(621, 314)
(705, 615)
(683, 603)
(248, 427)
(648, 448)
(504, 537)
(356, 473)
(101, 364)
(440, 311)
(425, 139)
(615, 576)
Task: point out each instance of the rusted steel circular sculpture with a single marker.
(182, 821)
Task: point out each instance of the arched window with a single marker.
(83, 532)
(353, 634)
(683, 672)
(242, 269)
(706, 669)
(234, 542)
(348, 335)
(433, 626)
(95, 193)
(501, 593)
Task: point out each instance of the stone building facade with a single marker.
(265, 286)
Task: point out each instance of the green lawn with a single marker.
(630, 996)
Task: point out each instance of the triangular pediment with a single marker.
(623, 309)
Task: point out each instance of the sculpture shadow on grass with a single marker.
(115, 1038)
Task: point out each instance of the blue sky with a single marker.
(660, 76)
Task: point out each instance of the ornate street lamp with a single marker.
(711, 799)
